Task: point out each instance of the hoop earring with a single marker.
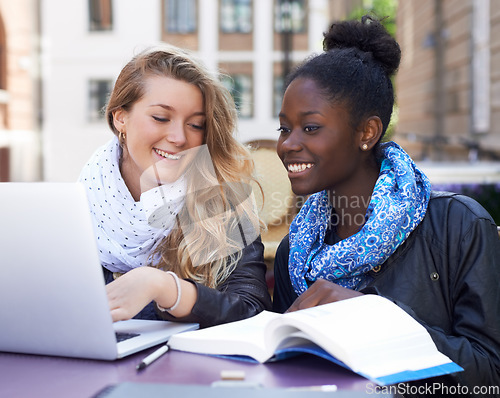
(364, 147)
(121, 138)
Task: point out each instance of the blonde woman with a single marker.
(177, 231)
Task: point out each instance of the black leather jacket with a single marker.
(447, 276)
(242, 295)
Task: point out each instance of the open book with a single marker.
(368, 334)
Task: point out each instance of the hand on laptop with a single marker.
(131, 292)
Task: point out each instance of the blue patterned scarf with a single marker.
(397, 205)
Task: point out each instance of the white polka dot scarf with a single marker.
(127, 230)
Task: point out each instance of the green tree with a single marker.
(384, 10)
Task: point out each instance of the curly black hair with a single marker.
(355, 69)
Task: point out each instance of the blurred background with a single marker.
(59, 59)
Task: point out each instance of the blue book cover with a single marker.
(396, 349)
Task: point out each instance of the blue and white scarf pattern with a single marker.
(398, 204)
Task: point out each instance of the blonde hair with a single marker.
(203, 249)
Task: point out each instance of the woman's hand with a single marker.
(131, 292)
(322, 292)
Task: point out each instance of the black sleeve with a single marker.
(284, 295)
(468, 332)
(242, 295)
(475, 339)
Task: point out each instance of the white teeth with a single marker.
(167, 155)
(298, 167)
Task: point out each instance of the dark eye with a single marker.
(310, 129)
(160, 119)
(283, 130)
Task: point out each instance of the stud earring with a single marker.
(364, 147)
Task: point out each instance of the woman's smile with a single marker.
(298, 168)
(166, 155)
(317, 144)
(161, 127)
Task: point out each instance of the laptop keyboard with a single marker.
(120, 336)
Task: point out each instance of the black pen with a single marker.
(152, 357)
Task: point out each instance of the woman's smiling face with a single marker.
(317, 144)
(168, 120)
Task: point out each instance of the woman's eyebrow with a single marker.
(305, 113)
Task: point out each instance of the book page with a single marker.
(245, 337)
(368, 333)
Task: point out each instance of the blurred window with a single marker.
(100, 15)
(99, 91)
(240, 86)
(4, 100)
(3, 57)
(277, 95)
(236, 16)
(290, 16)
(180, 16)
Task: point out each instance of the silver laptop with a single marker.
(52, 292)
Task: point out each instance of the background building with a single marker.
(20, 158)
(252, 42)
(59, 59)
(448, 84)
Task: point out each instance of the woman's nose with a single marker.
(290, 143)
(176, 134)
